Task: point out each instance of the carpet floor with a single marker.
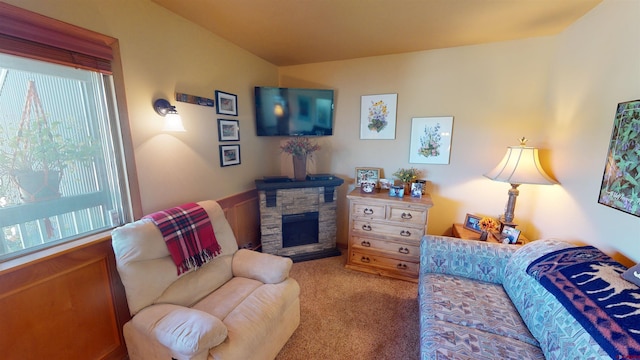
(346, 314)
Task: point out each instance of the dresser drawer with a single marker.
(407, 214)
(384, 229)
(363, 258)
(369, 211)
(404, 250)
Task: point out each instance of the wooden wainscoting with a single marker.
(243, 213)
(68, 306)
(72, 305)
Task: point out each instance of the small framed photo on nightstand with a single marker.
(510, 235)
(472, 222)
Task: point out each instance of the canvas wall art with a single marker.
(620, 187)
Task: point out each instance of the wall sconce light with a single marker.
(520, 165)
(172, 120)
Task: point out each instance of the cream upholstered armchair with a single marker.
(241, 304)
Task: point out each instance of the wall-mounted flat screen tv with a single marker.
(293, 112)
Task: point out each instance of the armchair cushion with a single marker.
(182, 330)
(266, 268)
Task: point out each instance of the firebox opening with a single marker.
(299, 229)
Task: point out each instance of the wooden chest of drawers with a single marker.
(385, 233)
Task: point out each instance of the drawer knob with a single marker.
(365, 259)
(405, 233)
(365, 243)
(368, 211)
(403, 250)
(366, 227)
(402, 266)
(407, 216)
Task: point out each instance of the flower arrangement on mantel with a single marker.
(300, 146)
(407, 175)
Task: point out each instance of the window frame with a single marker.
(27, 34)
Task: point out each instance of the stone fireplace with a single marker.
(298, 218)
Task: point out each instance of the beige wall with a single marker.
(162, 53)
(560, 92)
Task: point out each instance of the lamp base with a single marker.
(504, 223)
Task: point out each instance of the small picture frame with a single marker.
(416, 190)
(385, 184)
(228, 130)
(367, 174)
(472, 222)
(229, 155)
(510, 235)
(227, 103)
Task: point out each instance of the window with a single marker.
(62, 169)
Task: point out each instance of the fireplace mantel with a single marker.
(285, 198)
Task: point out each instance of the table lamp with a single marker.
(520, 165)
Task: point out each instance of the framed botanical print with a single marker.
(228, 130)
(430, 140)
(378, 117)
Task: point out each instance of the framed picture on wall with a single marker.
(228, 130)
(229, 155)
(621, 179)
(430, 140)
(378, 117)
(227, 103)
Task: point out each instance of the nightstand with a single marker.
(458, 230)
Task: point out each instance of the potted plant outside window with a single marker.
(35, 158)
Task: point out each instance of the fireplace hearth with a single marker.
(298, 218)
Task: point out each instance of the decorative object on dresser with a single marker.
(385, 233)
(407, 176)
(621, 179)
(431, 140)
(520, 165)
(367, 174)
(301, 149)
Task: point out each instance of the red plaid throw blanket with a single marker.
(189, 236)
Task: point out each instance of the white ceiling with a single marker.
(291, 32)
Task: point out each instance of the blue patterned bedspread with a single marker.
(588, 284)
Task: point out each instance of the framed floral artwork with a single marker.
(228, 130)
(620, 188)
(227, 103)
(430, 140)
(378, 116)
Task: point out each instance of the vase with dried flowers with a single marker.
(300, 149)
(407, 176)
(486, 225)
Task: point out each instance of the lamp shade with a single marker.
(520, 165)
(173, 123)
